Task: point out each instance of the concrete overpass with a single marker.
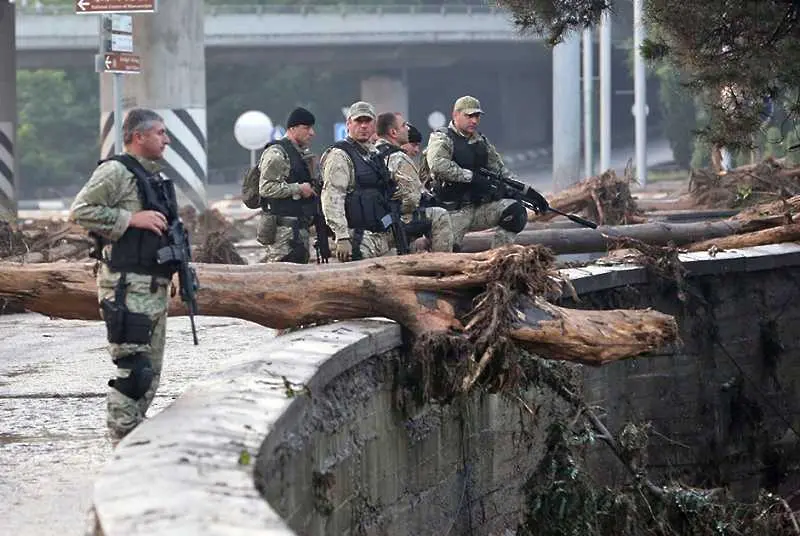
(359, 36)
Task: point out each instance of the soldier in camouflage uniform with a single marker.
(354, 182)
(286, 194)
(393, 133)
(414, 144)
(454, 157)
(116, 206)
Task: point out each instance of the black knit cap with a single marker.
(300, 116)
(414, 135)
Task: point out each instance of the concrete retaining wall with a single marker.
(337, 458)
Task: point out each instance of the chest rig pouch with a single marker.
(367, 207)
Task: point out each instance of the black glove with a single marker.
(481, 181)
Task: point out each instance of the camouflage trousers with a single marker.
(437, 220)
(283, 239)
(123, 414)
(371, 244)
(479, 218)
(289, 246)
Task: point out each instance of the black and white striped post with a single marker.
(171, 83)
(8, 112)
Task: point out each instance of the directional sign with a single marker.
(114, 6)
(121, 63)
(339, 131)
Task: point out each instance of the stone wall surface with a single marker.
(725, 407)
(356, 464)
(338, 453)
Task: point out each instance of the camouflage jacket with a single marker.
(106, 203)
(439, 157)
(406, 177)
(274, 166)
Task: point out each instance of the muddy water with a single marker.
(52, 415)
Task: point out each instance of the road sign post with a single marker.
(116, 46)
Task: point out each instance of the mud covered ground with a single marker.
(53, 377)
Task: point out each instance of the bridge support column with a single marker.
(386, 94)
(9, 181)
(566, 112)
(173, 83)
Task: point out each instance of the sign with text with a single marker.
(119, 43)
(114, 6)
(121, 23)
(114, 62)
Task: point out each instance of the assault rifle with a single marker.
(529, 197)
(179, 252)
(322, 244)
(398, 229)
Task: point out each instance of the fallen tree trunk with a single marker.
(583, 240)
(430, 294)
(774, 235)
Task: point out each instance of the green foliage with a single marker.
(58, 114)
(555, 18)
(733, 52)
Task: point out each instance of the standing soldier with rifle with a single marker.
(433, 222)
(132, 212)
(455, 156)
(287, 197)
(356, 190)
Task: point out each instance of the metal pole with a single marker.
(117, 90)
(588, 112)
(605, 91)
(252, 158)
(639, 93)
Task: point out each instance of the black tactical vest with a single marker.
(471, 156)
(136, 249)
(368, 203)
(298, 174)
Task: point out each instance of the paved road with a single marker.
(52, 436)
(541, 176)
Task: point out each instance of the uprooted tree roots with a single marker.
(444, 364)
(605, 199)
(744, 186)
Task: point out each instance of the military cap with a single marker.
(361, 109)
(414, 135)
(468, 105)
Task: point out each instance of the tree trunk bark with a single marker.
(430, 294)
(775, 235)
(583, 240)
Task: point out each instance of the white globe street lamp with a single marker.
(252, 130)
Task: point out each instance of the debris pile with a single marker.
(744, 186)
